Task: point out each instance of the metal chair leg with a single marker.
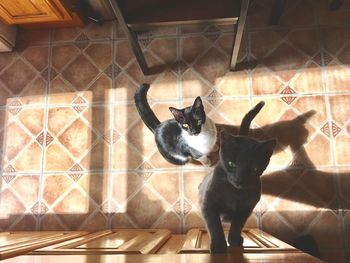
(239, 33)
(132, 37)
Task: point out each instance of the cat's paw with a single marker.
(218, 248)
(235, 240)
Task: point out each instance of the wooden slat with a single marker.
(82, 240)
(192, 239)
(14, 240)
(171, 258)
(114, 240)
(248, 241)
(205, 241)
(20, 249)
(156, 241)
(173, 245)
(145, 242)
(265, 237)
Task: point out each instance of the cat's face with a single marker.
(190, 118)
(245, 159)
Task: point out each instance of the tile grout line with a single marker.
(46, 119)
(336, 182)
(181, 174)
(111, 125)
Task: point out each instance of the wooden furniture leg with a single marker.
(239, 33)
(277, 11)
(132, 37)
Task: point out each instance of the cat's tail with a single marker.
(145, 111)
(247, 119)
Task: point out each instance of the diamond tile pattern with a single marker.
(69, 128)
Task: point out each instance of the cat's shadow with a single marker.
(301, 175)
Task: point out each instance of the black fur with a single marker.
(234, 187)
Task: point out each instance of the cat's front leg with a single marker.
(217, 237)
(238, 220)
(200, 157)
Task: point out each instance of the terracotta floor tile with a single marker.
(125, 157)
(212, 65)
(96, 187)
(145, 208)
(191, 181)
(158, 161)
(99, 32)
(169, 221)
(124, 185)
(344, 183)
(193, 47)
(265, 82)
(337, 77)
(123, 53)
(51, 163)
(298, 13)
(330, 236)
(342, 149)
(334, 38)
(10, 208)
(29, 195)
(75, 202)
(166, 184)
(234, 84)
(55, 186)
(192, 85)
(29, 160)
(125, 115)
(262, 42)
(27, 37)
(340, 109)
(234, 110)
(165, 49)
(26, 223)
(97, 222)
(317, 103)
(193, 220)
(274, 224)
(77, 138)
(166, 81)
(309, 80)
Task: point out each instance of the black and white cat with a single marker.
(234, 187)
(191, 134)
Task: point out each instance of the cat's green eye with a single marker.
(185, 125)
(231, 164)
(199, 122)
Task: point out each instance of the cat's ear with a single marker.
(178, 114)
(198, 104)
(267, 147)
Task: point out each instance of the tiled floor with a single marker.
(77, 156)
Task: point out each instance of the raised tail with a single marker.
(245, 124)
(145, 111)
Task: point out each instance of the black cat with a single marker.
(234, 187)
(190, 135)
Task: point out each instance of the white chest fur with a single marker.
(205, 140)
